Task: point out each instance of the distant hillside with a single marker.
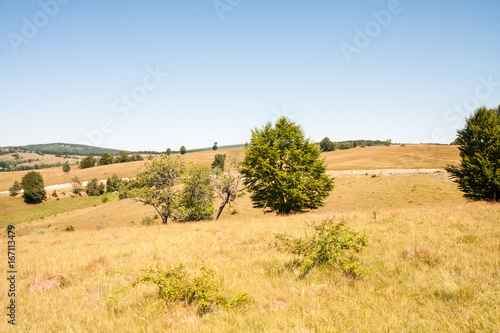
(74, 149)
(63, 149)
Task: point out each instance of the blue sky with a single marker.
(148, 75)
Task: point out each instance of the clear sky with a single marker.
(148, 75)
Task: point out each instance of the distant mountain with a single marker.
(64, 149)
(74, 149)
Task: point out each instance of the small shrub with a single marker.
(203, 290)
(95, 188)
(69, 228)
(104, 199)
(374, 176)
(54, 194)
(15, 189)
(148, 221)
(331, 243)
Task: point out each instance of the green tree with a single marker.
(136, 157)
(113, 183)
(95, 188)
(156, 185)
(87, 162)
(388, 142)
(182, 150)
(283, 171)
(196, 198)
(326, 144)
(168, 151)
(15, 189)
(106, 159)
(122, 157)
(34, 191)
(219, 161)
(66, 168)
(214, 147)
(478, 175)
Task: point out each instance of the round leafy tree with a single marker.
(34, 191)
(106, 159)
(66, 168)
(183, 150)
(283, 171)
(478, 175)
(87, 162)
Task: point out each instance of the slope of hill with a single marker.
(369, 158)
(64, 148)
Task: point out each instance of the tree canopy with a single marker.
(283, 171)
(478, 175)
(33, 186)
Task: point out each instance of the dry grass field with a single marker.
(393, 157)
(433, 260)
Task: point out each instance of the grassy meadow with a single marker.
(433, 259)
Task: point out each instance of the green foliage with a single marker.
(283, 171)
(219, 161)
(182, 150)
(34, 191)
(327, 145)
(388, 142)
(195, 200)
(15, 189)
(136, 157)
(54, 194)
(204, 290)
(95, 188)
(331, 243)
(478, 175)
(148, 221)
(69, 228)
(168, 151)
(87, 162)
(113, 184)
(104, 199)
(76, 184)
(66, 168)
(214, 147)
(155, 186)
(122, 157)
(106, 159)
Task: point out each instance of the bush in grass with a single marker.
(113, 183)
(15, 189)
(34, 191)
(330, 243)
(204, 290)
(148, 221)
(95, 188)
(69, 228)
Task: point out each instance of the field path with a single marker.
(334, 173)
(51, 188)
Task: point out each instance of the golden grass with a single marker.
(455, 292)
(393, 157)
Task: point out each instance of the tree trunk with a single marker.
(221, 208)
